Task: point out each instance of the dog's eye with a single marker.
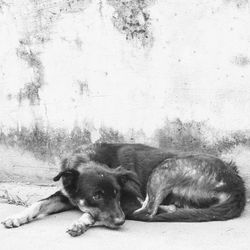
(98, 195)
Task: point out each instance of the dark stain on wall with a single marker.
(83, 88)
(2, 4)
(241, 60)
(30, 91)
(45, 14)
(132, 18)
(100, 7)
(238, 3)
(177, 135)
(79, 43)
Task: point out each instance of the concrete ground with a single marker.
(49, 233)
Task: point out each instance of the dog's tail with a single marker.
(229, 209)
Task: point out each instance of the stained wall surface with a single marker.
(125, 64)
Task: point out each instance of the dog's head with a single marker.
(96, 189)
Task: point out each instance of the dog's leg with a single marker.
(81, 225)
(144, 205)
(168, 208)
(153, 200)
(53, 204)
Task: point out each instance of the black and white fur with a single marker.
(196, 187)
(108, 183)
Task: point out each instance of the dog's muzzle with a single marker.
(119, 221)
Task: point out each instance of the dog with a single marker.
(108, 183)
(202, 187)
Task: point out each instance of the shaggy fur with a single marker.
(202, 188)
(108, 183)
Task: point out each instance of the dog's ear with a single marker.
(69, 180)
(66, 170)
(69, 173)
(129, 181)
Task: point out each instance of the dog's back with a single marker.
(203, 187)
(139, 158)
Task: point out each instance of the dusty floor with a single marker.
(13, 192)
(49, 233)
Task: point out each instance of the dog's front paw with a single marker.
(77, 229)
(13, 222)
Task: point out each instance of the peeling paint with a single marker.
(133, 19)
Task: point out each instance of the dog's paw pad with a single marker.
(11, 222)
(76, 229)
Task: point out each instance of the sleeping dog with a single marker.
(202, 186)
(108, 183)
(89, 186)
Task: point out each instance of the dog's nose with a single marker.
(119, 221)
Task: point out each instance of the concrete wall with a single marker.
(125, 64)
